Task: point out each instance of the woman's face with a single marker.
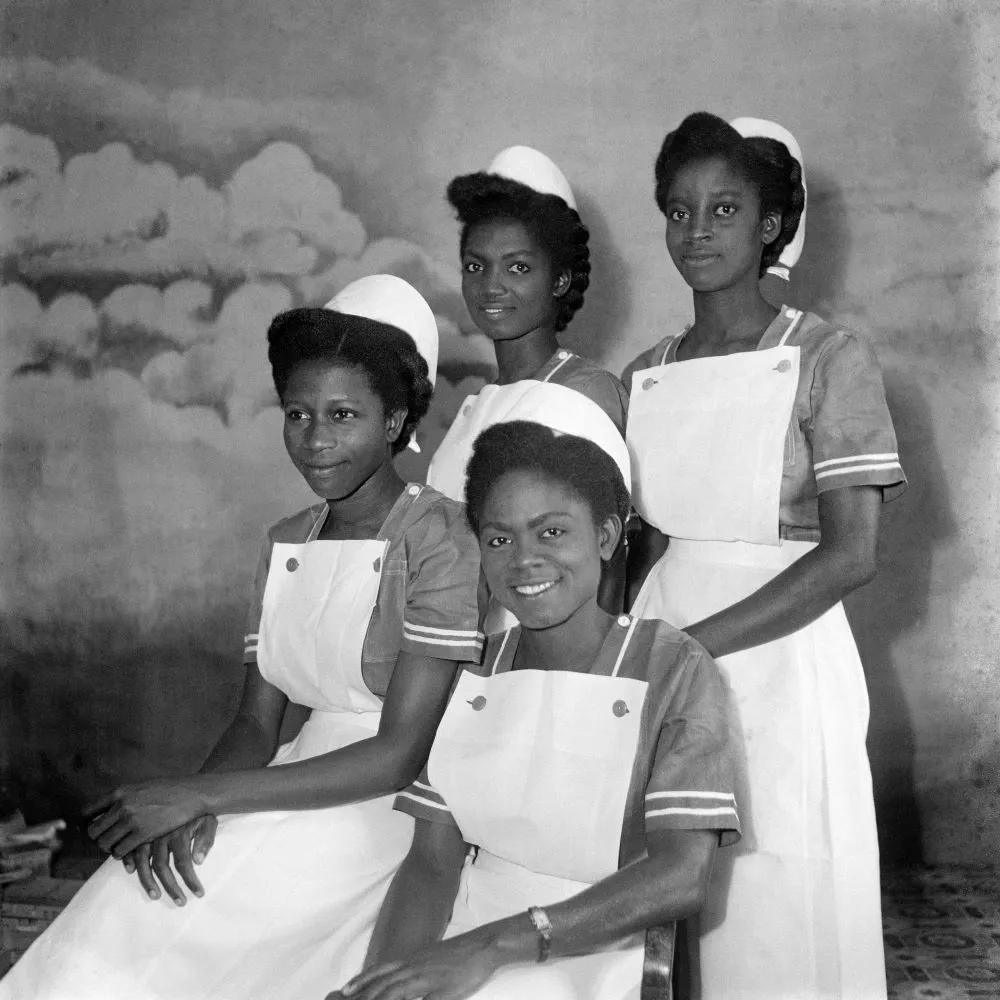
(337, 433)
(541, 551)
(507, 280)
(715, 231)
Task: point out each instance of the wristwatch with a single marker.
(544, 927)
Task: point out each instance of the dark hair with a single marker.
(557, 228)
(573, 462)
(389, 358)
(765, 163)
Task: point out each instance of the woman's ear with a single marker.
(561, 284)
(770, 228)
(394, 422)
(609, 534)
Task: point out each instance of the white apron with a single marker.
(794, 912)
(535, 767)
(290, 897)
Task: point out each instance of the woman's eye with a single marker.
(472, 267)
(726, 210)
(519, 268)
(496, 541)
(343, 414)
(295, 416)
(553, 532)
(676, 215)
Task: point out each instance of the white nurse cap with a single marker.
(533, 169)
(388, 299)
(762, 128)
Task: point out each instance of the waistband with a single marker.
(344, 717)
(777, 556)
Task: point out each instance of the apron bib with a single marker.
(794, 909)
(535, 767)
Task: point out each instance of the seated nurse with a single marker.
(363, 605)
(525, 268)
(587, 760)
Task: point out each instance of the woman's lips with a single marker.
(533, 589)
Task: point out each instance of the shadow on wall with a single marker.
(603, 320)
(912, 527)
(818, 279)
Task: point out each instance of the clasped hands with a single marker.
(155, 828)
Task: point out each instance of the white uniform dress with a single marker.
(557, 776)
(290, 897)
(729, 455)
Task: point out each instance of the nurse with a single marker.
(364, 604)
(587, 760)
(525, 268)
(763, 450)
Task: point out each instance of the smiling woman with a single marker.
(362, 606)
(587, 760)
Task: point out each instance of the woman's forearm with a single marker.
(245, 744)
(795, 598)
(415, 912)
(363, 770)
(664, 887)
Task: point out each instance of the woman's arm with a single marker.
(418, 906)
(645, 547)
(390, 760)
(670, 884)
(844, 560)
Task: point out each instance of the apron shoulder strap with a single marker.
(500, 652)
(563, 358)
(628, 638)
(796, 320)
(671, 342)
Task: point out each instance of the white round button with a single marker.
(562, 355)
(413, 490)
(624, 620)
(648, 383)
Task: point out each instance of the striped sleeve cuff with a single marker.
(693, 810)
(872, 469)
(421, 801)
(250, 647)
(444, 643)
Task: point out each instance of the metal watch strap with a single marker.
(544, 927)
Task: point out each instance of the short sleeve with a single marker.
(257, 602)
(605, 390)
(851, 435)
(422, 801)
(441, 616)
(691, 786)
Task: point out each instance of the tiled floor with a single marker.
(942, 931)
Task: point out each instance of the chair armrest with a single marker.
(658, 965)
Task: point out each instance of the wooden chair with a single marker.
(663, 972)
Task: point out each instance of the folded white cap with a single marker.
(388, 299)
(534, 170)
(761, 127)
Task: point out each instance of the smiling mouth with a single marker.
(534, 589)
(494, 311)
(322, 470)
(699, 258)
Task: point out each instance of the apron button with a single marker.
(292, 565)
(620, 708)
(413, 490)
(563, 355)
(648, 383)
(478, 703)
(783, 365)
(624, 621)
(466, 410)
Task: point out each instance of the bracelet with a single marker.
(544, 927)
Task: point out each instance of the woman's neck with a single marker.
(571, 645)
(730, 317)
(521, 358)
(362, 514)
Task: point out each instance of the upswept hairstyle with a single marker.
(574, 462)
(559, 230)
(389, 358)
(765, 163)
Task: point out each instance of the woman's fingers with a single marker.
(103, 803)
(180, 847)
(204, 838)
(161, 866)
(145, 872)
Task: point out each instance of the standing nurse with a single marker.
(525, 267)
(763, 449)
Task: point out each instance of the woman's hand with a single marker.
(450, 970)
(187, 847)
(133, 815)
